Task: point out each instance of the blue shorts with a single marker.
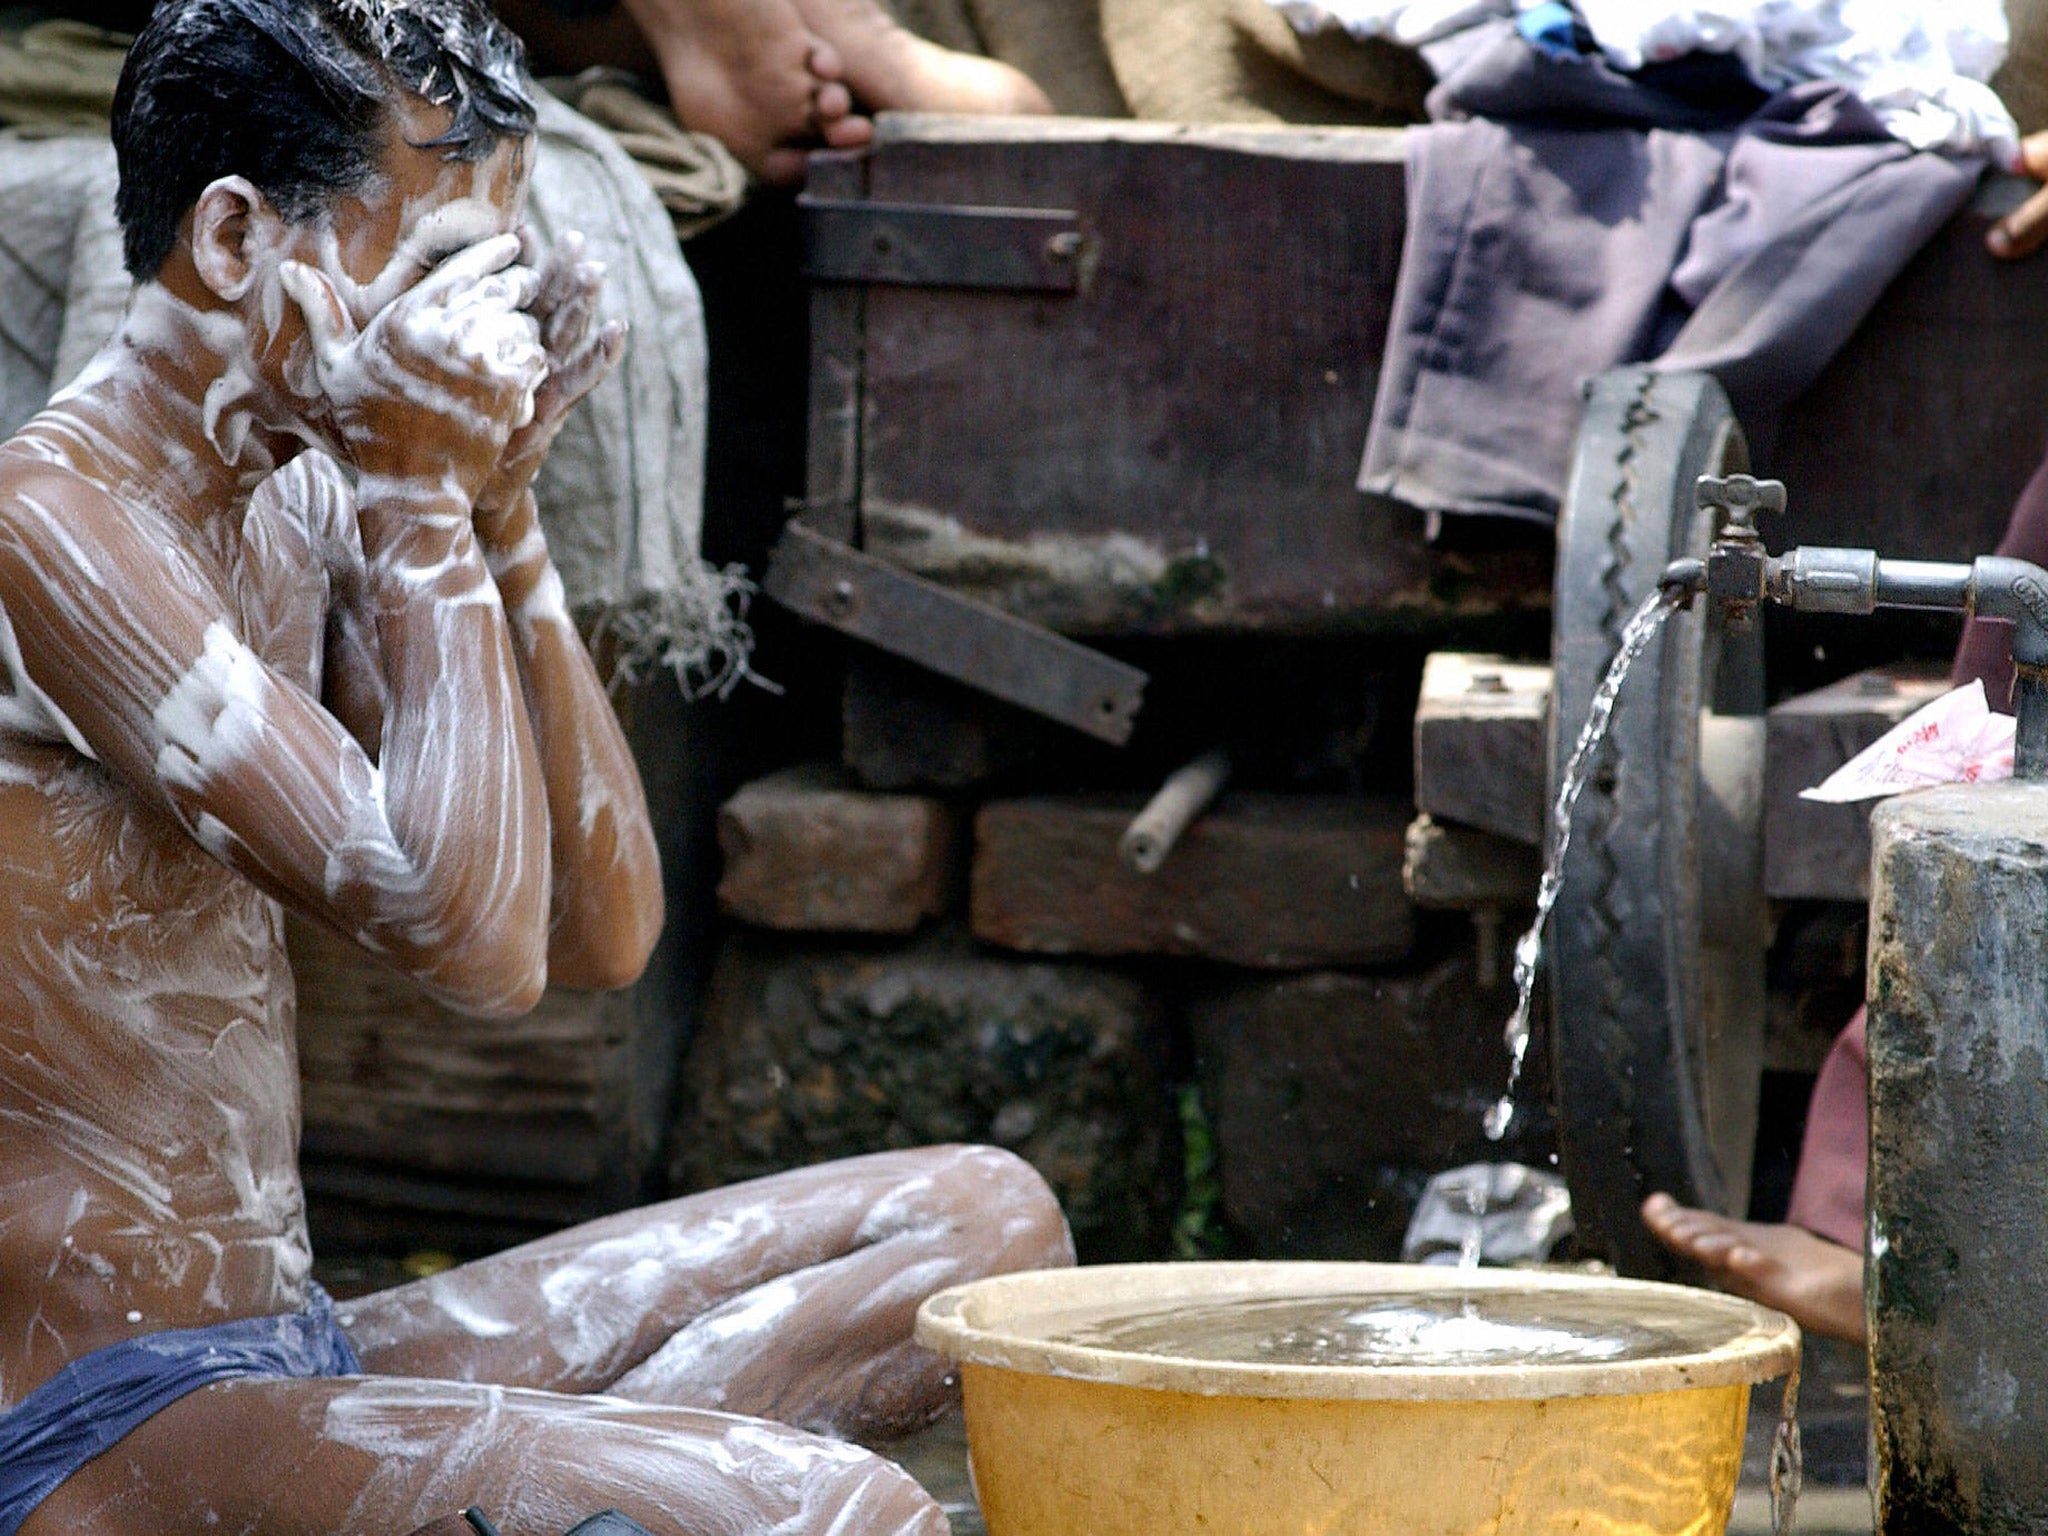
(98, 1398)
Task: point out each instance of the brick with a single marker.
(1332, 1096)
(1272, 881)
(1822, 852)
(808, 1052)
(1482, 727)
(1456, 868)
(804, 852)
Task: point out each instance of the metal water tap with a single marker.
(1739, 574)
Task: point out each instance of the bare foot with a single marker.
(753, 75)
(892, 68)
(1817, 1283)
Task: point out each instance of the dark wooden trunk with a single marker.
(1173, 448)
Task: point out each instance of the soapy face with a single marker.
(319, 286)
(227, 312)
(383, 239)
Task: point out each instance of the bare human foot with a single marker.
(892, 68)
(754, 76)
(1817, 1283)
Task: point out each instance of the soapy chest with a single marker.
(148, 1078)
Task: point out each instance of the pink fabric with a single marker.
(1834, 1159)
(1828, 1191)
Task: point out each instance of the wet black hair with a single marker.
(292, 95)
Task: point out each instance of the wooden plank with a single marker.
(556, 1115)
(1175, 447)
(1822, 852)
(390, 1076)
(1482, 728)
(1361, 145)
(1457, 869)
(1480, 752)
(832, 454)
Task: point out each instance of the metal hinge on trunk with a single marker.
(972, 643)
(1030, 250)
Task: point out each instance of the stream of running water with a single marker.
(1642, 628)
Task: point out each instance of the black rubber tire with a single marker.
(1656, 949)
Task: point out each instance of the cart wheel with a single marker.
(1656, 950)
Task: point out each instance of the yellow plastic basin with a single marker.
(1070, 1439)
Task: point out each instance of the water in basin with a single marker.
(1452, 1330)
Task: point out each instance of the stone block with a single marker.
(803, 851)
(1481, 745)
(1458, 869)
(1822, 852)
(902, 727)
(1332, 1096)
(1482, 728)
(1273, 881)
(808, 1052)
(1815, 982)
(1958, 1208)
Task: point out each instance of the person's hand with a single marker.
(434, 385)
(2021, 232)
(580, 352)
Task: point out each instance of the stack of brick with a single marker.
(909, 968)
(851, 1011)
(1339, 1064)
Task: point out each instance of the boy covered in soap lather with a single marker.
(232, 681)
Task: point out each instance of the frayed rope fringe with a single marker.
(698, 632)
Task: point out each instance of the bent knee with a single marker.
(1021, 1216)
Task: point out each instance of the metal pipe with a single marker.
(1816, 579)
(1738, 575)
(1186, 793)
(2030, 736)
(1937, 584)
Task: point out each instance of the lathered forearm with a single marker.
(461, 782)
(607, 901)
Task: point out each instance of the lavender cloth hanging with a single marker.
(1564, 219)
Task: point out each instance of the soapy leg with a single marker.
(790, 1297)
(377, 1456)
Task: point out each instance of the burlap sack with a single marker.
(1058, 43)
(1238, 61)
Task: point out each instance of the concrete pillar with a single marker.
(1957, 1285)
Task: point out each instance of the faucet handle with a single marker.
(1739, 497)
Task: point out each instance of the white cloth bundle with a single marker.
(1920, 65)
